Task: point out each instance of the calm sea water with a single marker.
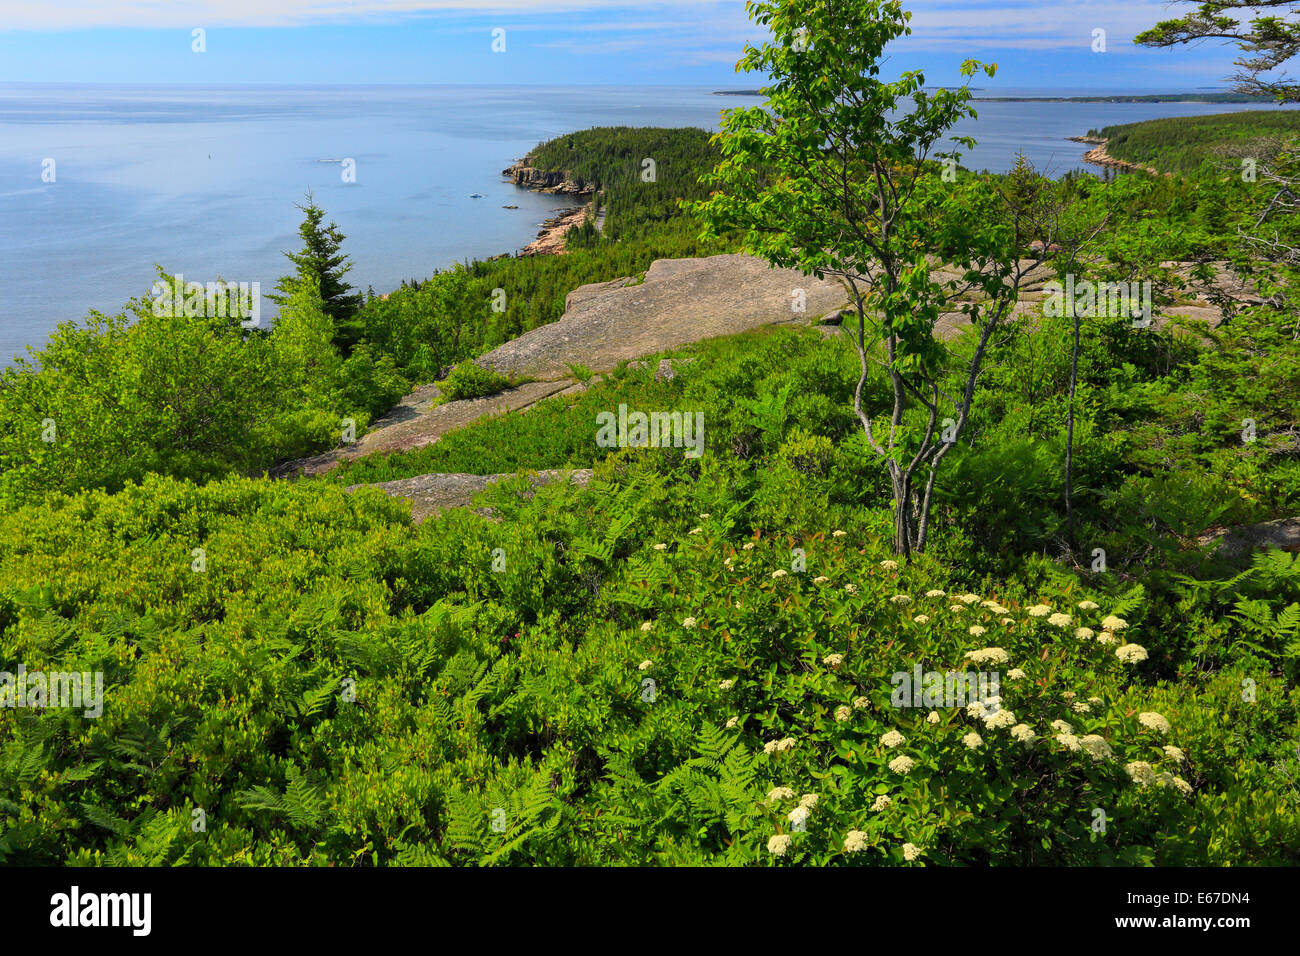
(203, 181)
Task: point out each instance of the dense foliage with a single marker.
(337, 686)
(195, 396)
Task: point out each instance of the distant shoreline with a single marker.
(1135, 98)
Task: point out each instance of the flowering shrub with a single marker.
(811, 663)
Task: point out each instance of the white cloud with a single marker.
(681, 32)
(81, 14)
(1009, 23)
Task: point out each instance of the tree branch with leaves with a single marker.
(1268, 40)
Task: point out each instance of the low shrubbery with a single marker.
(117, 398)
(470, 380)
(635, 672)
(326, 683)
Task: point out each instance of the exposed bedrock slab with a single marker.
(1247, 539)
(681, 301)
(416, 421)
(430, 495)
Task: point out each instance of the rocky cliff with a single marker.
(527, 176)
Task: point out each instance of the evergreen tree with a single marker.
(1267, 41)
(321, 263)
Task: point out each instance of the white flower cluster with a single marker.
(1153, 721)
(1131, 653)
(1097, 747)
(988, 655)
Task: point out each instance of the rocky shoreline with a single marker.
(1099, 157)
(550, 241)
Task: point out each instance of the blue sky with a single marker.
(1037, 43)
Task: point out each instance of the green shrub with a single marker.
(808, 454)
(470, 380)
(116, 398)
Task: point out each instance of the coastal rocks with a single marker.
(430, 495)
(550, 241)
(680, 301)
(1099, 157)
(546, 181)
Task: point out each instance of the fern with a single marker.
(466, 823)
(715, 785)
(535, 811)
(304, 803)
(81, 772)
(1133, 599)
(105, 819)
(315, 700)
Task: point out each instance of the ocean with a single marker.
(204, 181)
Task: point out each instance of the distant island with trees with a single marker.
(1108, 98)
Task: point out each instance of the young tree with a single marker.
(836, 175)
(320, 263)
(1268, 40)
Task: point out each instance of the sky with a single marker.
(1046, 44)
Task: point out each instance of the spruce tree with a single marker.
(321, 261)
